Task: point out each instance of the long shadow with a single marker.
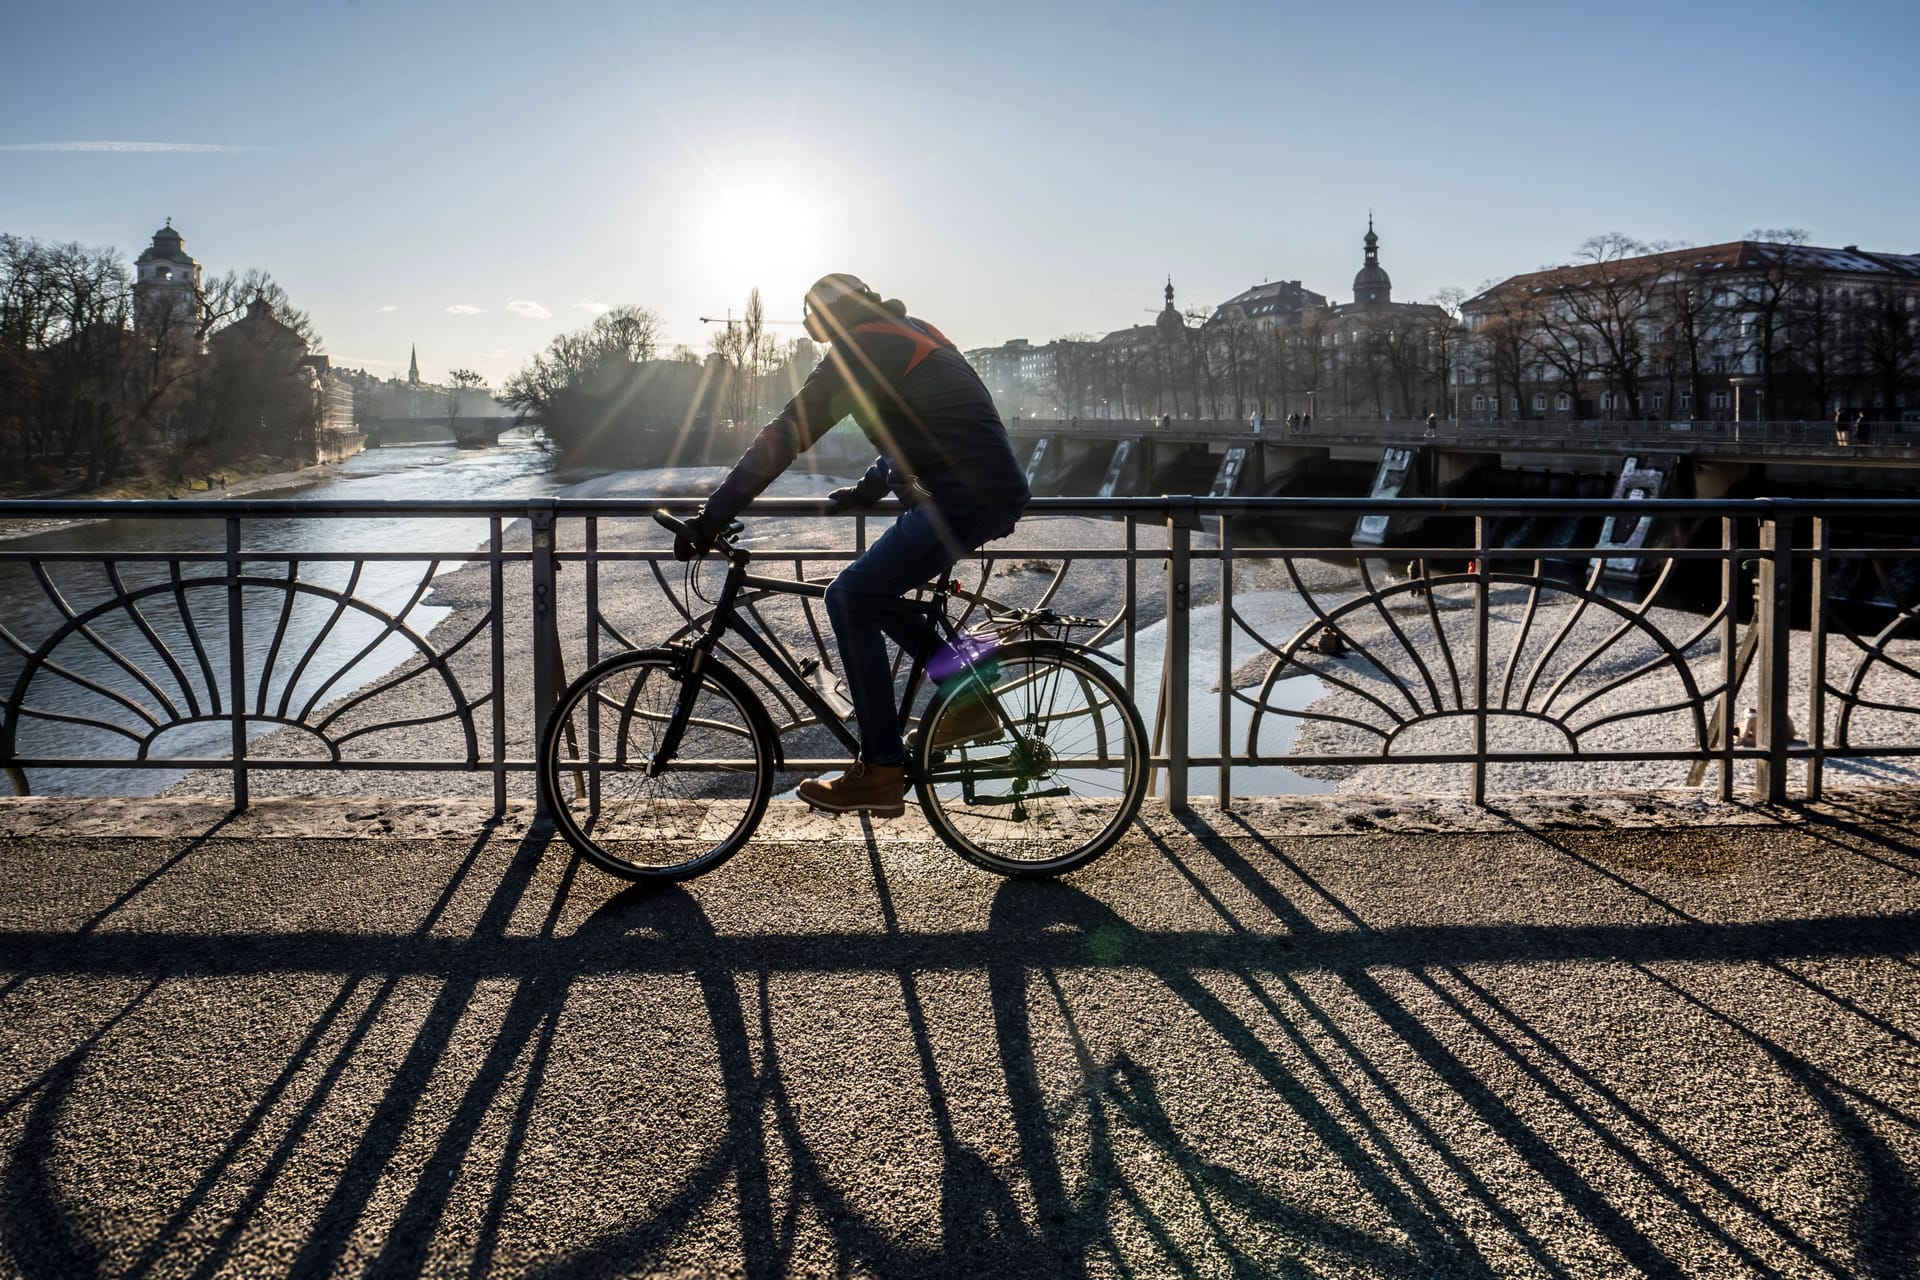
(1883, 1232)
(1035, 934)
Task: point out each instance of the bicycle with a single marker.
(680, 753)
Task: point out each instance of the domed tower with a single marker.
(1372, 287)
(166, 287)
(1171, 323)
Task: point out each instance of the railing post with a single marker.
(548, 672)
(236, 665)
(496, 586)
(1775, 602)
(1225, 707)
(1480, 660)
(1817, 660)
(1181, 519)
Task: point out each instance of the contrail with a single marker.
(124, 146)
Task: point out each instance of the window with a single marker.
(1686, 401)
(1721, 400)
(1606, 401)
(1516, 404)
(1539, 404)
(1479, 404)
(1561, 403)
(1659, 404)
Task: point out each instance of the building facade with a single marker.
(1745, 330)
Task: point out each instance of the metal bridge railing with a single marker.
(1492, 647)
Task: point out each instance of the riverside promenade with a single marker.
(1615, 1036)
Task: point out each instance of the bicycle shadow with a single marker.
(1105, 1168)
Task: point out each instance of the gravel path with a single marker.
(1228, 1048)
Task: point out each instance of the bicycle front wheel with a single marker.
(1033, 762)
(613, 799)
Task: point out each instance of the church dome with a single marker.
(1372, 286)
(167, 246)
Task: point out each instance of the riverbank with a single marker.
(252, 478)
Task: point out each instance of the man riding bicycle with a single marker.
(943, 451)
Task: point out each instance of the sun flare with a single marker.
(762, 234)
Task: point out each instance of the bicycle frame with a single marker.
(779, 661)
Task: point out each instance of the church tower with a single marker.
(1372, 287)
(413, 368)
(166, 287)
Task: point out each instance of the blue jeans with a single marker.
(864, 604)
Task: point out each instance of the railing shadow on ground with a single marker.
(1351, 1031)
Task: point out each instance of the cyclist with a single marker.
(943, 451)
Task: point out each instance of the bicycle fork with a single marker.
(676, 729)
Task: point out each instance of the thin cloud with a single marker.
(389, 307)
(531, 310)
(465, 309)
(126, 146)
(593, 308)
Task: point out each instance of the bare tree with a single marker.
(1889, 354)
(1765, 302)
(1609, 295)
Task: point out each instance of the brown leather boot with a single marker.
(970, 721)
(876, 789)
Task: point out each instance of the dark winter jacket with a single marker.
(920, 404)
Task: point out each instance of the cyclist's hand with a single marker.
(694, 538)
(851, 498)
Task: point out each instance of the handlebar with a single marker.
(723, 540)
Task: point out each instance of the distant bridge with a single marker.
(467, 432)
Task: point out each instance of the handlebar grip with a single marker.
(669, 522)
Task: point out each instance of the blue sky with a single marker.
(1011, 170)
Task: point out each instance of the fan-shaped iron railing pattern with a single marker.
(134, 687)
(114, 652)
(1863, 654)
(1574, 661)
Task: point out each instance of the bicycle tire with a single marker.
(1001, 801)
(679, 823)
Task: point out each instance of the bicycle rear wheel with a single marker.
(690, 815)
(1049, 779)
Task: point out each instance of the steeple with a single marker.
(413, 368)
(1372, 286)
(1169, 321)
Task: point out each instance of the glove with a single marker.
(850, 498)
(694, 541)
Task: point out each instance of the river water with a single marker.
(182, 694)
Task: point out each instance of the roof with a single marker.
(1734, 255)
(1274, 295)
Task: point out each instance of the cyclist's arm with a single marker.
(824, 399)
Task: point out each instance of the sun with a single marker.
(762, 234)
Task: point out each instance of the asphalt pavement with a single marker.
(1628, 1036)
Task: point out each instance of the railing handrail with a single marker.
(1162, 504)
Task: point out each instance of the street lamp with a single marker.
(1310, 395)
(1738, 381)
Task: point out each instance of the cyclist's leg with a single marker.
(863, 603)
